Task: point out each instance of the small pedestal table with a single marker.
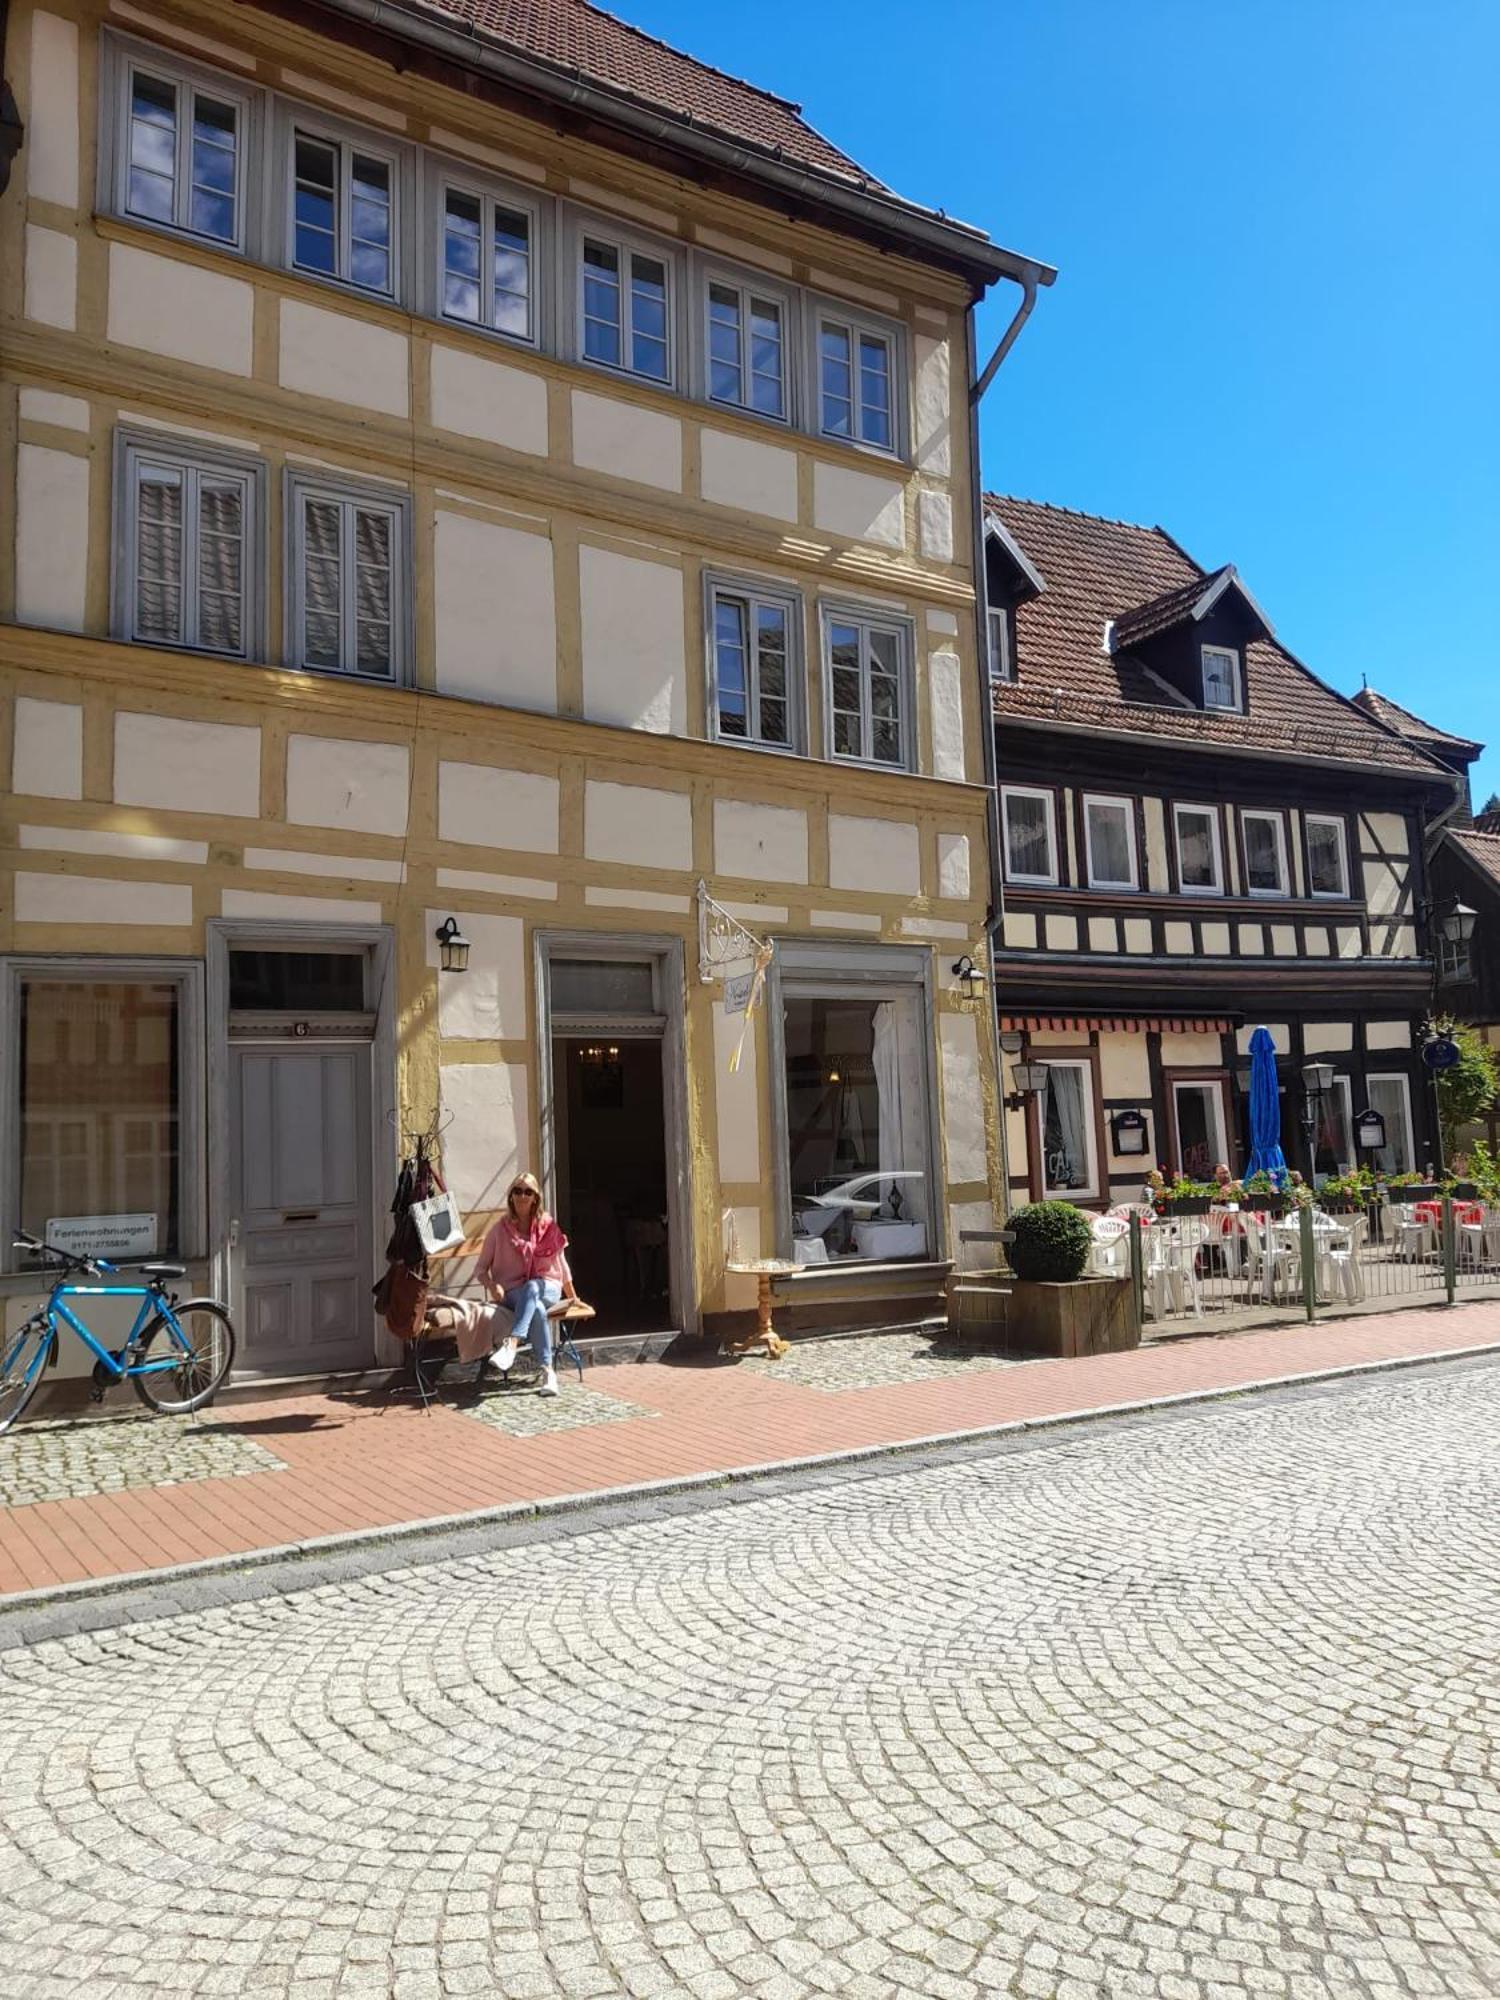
(765, 1339)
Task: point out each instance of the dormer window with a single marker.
(1001, 667)
(1221, 678)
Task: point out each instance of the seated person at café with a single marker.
(524, 1267)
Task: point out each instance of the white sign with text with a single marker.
(111, 1236)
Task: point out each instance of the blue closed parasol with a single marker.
(1266, 1156)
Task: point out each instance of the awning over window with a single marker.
(1139, 1024)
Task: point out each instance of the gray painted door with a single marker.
(302, 1199)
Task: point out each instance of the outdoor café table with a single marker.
(1431, 1212)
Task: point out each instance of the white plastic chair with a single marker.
(1415, 1235)
(1170, 1273)
(1109, 1256)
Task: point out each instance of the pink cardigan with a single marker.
(510, 1258)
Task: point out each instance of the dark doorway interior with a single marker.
(612, 1179)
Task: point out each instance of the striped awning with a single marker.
(1122, 1024)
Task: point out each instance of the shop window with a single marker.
(103, 1078)
(1391, 1097)
(1065, 1107)
(857, 1123)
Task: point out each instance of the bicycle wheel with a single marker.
(200, 1366)
(21, 1366)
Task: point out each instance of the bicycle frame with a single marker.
(152, 1304)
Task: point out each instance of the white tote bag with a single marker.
(439, 1225)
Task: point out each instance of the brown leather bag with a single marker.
(401, 1296)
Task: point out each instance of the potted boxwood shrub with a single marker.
(1054, 1307)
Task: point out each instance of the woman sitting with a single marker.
(524, 1266)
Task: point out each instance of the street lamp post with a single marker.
(1455, 927)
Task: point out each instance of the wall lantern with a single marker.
(1457, 924)
(453, 946)
(1317, 1078)
(1129, 1132)
(1369, 1131)
(969, 977)
(1012, 1041)
(1028, 1078)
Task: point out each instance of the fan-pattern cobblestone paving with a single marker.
(1199, 1710)
(521, 1412)
(875, 1361)
(69, 1460)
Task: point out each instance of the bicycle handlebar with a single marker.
(67, 1258)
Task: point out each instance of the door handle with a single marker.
(300, 1214)
(234, 1234)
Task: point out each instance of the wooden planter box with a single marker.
(1088, 1316)
(1190, 1204)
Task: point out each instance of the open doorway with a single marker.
(612, 1197)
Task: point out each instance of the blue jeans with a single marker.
(527, 1305)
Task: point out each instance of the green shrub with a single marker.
(1052, 1242)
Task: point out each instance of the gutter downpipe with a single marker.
(978, 383)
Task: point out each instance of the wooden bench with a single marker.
(977, 1299)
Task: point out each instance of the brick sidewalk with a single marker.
(91, 1501)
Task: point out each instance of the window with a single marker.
(182, 148)
(1001, 668)
(487, 272)
(1065, 1115)
(1199, 1114)
(343, 211)
(347, 602)
(866, 696)
(1391, 1097)
(1109, 840)
(753, 647)
(1030, 837)
(1333, 1146)
(746, 343)
(188, 561)
(1327, 857)
(1264, 835)
(1221, 677)
(624, 308)
(857, 1113)
(1199, 863)
(856, 383)
(1454, 962)
(101, 1084)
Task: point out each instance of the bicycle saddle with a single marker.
(163, 1270)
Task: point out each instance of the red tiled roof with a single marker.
(1096, 570)
(584, 41)
(1483, 849)
(1159, 614)
(1412, 727)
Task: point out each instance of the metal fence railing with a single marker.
(1230, 1262)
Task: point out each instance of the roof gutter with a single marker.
(919, 230)
(1140, 736)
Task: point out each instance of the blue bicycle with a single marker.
(177, 1353)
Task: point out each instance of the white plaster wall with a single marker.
(754, 478)
(1020, 930)
(761, 843)
(1387, 831)
(974, 1215)
(1102, 934)
(118, 846)
(180, 310)
(738, 1096)
(487, 1001)
(843, 920)
(47, 752)
(1385, 884)
(333, 867)
(1315, 943)
(942, 621)
(45, 406)
(881, 855)
(935, 526)
(344, 359)
(207, 767)
(953, 865)
(860, 505)
(496, 635)
(299, 909)
(51, 151)
(359, 787)
(934, 411)
(945, 692)
(1252, 941)
(97, 899)
(1178, 939)
(637, 899)
(1124, 1066)
(637, 824)
(52, 537)
(634, 650)
(1061, 932)
(489, 1140)
(627, 441)
(1216, 940)
(963, 1098)
(51, 277)
(508, 886)
(483, 807)
(1347, 942)
(485, 399)
(1388, 1034)
(1183, 1051)
(1327, 1038)
(1137, 934)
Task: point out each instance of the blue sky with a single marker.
(1276, 328)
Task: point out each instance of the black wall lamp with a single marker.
(453, 946)
(1029, 1078)
(969, 977)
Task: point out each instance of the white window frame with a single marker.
(1113, 803)
(293, 117)
(868, 620)
(1278, 822)
(187, 976)
(443, 173)
(588, 225)
(348, 494)
(1090, 1192)
(823, 312)
(1220, 1134)
(135, 448)
(1216, 887)
(748, 284)
(1455, 959)
(1237, 680)
(1310, 820)
(1002, 666)
(750, 592)
(1049, 800)
(121, 58)
(1409, 1136)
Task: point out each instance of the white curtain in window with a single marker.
(1388, 1096)
(897, 1060)
(1065, 1137)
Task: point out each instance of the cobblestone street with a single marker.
(1196, 1707)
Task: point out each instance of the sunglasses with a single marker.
(526, 1194)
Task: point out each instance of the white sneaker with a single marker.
(548, 1384)
(503, 1357)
